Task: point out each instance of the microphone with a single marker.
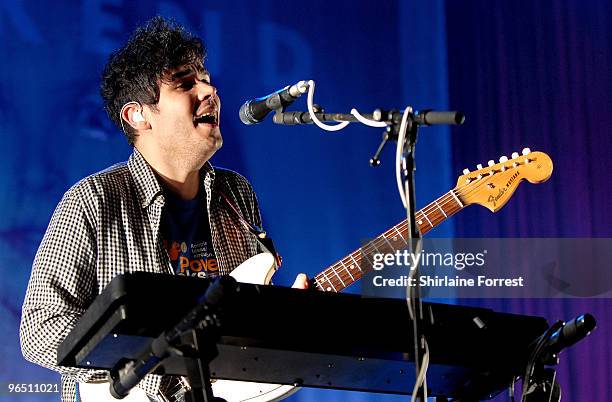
(255, 110)
(570, 333)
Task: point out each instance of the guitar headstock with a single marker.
(492, 186)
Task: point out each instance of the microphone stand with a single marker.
(393, 119)
(414, 236)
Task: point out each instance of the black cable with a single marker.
(541, 343)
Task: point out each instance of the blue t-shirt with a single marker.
(186, 236)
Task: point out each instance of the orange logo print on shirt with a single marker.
(173, 251)
(198, 265)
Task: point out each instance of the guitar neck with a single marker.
(351, 268)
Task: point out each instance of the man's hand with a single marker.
(301, 282)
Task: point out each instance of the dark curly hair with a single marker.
(134, 72)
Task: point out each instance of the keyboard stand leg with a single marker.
(197, 368)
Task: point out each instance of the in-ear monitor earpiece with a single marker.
(138, 117)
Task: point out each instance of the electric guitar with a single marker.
(490, 186)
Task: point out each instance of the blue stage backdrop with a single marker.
(528, 74)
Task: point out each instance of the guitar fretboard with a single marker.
(351, 268)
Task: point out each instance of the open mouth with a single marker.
(207, 118)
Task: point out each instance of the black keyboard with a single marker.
(316, 339)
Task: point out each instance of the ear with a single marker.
(134, 115)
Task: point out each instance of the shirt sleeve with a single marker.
(254, 207)
(62, 285)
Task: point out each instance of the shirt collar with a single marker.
(147, 185)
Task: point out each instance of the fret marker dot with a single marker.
(328, 288)
(419, 222)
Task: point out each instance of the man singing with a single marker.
(167, 210)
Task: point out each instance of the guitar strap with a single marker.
(260, 235)
(173, 389)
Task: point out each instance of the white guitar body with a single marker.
(257, 270)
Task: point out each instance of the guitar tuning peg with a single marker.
(503, 159)
(526, 151)
(466, 171)
(515, 155)
(491, 162)
(479, 166)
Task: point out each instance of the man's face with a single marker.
(185, 124)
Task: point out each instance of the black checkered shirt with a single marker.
(109, 224)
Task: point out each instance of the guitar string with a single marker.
(379, 243)
(509, 166)
(467, 186)
(177, 390)
(445, 199)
